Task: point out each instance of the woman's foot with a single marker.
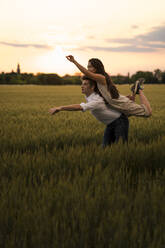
(138, 85)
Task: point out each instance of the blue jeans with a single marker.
(116, 130)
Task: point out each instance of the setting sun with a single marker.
(54, 61)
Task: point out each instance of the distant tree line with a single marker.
(12, 78)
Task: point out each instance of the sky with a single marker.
(126, 35)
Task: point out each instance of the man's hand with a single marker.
(132, 98)
(54, 110)
(70, 58)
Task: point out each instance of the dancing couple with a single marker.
(105, 102)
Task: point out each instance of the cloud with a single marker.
(145, 43)
(25, 45)
(117, 49)
(134, 26)
(91, 37)
(149, 42)
(158, 34)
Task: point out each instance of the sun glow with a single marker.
(55, 61)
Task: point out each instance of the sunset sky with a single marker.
(127, 35)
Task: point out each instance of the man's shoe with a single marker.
(137, 86)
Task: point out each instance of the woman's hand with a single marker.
(95, 76)
(70, 58)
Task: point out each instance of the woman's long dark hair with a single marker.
(98, 65)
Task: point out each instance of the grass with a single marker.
(59, 188)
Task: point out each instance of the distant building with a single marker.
(18, 69)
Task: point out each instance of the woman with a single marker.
(109, 91)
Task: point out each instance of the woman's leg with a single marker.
(144, 100)
(137, 88)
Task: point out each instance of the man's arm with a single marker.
(74, 107)
(95, 76)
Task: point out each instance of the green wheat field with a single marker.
(60, 188)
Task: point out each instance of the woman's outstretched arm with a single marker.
(97, 77)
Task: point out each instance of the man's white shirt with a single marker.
(101, 111)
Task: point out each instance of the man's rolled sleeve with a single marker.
(84, 107)
(90, 105)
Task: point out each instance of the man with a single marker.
(117, 124)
